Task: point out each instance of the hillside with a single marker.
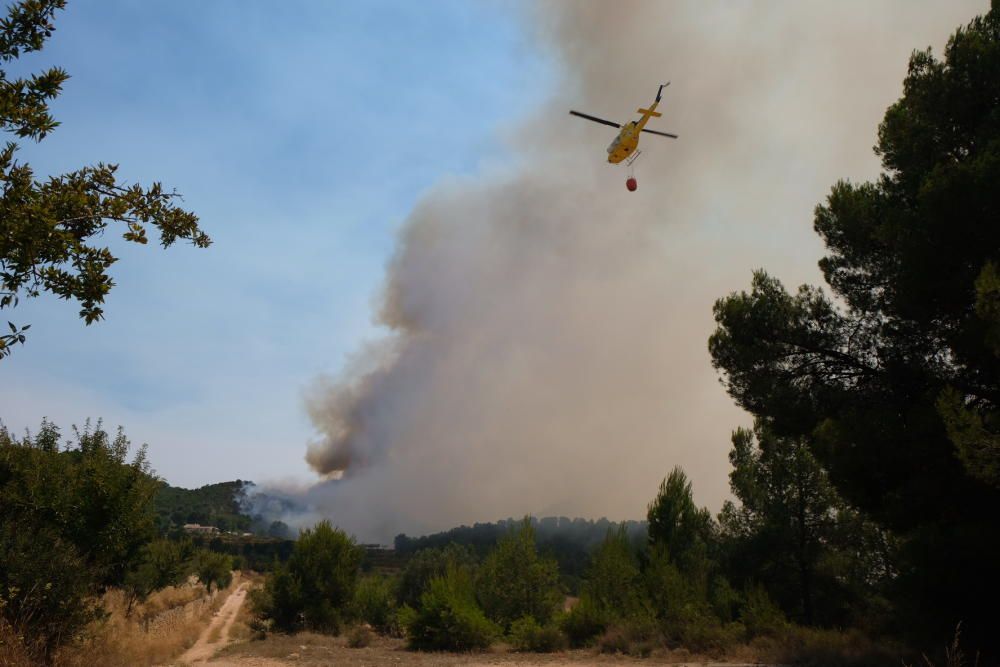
(211, 505)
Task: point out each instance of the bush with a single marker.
(584, 622)
(73, 522)
(12, 651)
(359, 637)
(375, 604)
(636, 636)
(278, 605)
(449, 618)
(723, 599)
(613, 591)
(704, 632)
(614, 640)
(527, 635)
(427, 564)
(613, 581)
(760, 615)
(818, 647)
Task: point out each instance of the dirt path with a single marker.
(222, 621)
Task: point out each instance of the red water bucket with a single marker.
(631, 184)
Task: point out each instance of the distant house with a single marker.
(198, 529)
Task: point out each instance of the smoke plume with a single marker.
(547, 329)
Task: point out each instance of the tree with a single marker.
(514, 581)
(449, 617)
(677, 524)
(612, 590)
(896, 391)
(164, 563)
(790, 528)
(73, 522)
(213, 568)
(787, 506)
(315, 588)
(49, 229)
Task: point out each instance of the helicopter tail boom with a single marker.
(650, 113)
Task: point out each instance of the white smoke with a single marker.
(547, 348)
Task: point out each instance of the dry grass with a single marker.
(12, 653)
(162, 628)
(306, 645)
(819, 647)
(313, 650)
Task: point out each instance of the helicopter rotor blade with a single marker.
(662, 134)
(595, 119)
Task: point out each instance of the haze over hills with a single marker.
(240, 505)
(222, 505)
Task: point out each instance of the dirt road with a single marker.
(216, 635)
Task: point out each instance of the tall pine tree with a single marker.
(897, 389)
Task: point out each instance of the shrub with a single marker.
(449, 618)
(613, 591)
(723, 599)
(278, 605)
(73, 522)
(12, 650)
(375, 604)
(359, 637)
(703, 632)
(613, 581)
(613, 640)
(584, 622)
(760, 615)
(686, 616)
(527, 635)
(818, 647)
(427, 564)
(635, 637)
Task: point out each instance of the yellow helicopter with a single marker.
(627, 141)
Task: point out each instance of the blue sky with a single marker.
(301, 133)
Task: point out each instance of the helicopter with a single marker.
(626, 144)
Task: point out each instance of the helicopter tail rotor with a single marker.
(659, 93)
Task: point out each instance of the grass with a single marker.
(821, 647)
(157, 631)
(359, 637)
(303, 645)
(12, 653)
